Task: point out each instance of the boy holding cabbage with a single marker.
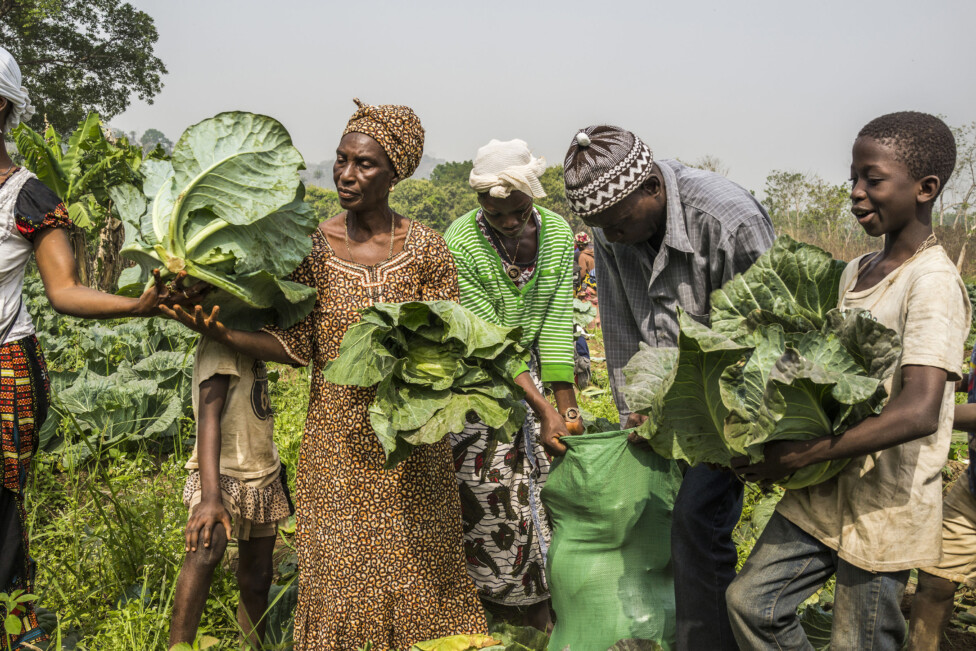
(880, 516)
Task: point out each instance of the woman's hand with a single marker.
(206, 324)
(553, 428)
(207, 515)
(161, 294)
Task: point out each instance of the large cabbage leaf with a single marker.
(227, 209)
(436, 366)
(780, 363)
(793, 284)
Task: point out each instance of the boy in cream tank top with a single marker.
(881, 516)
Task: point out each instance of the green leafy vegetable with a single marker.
(583, 312)
(436, 366)
(229, 210)
(780, 362)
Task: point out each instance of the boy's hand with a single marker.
(780, 460)
(206, 516)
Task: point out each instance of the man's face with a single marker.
(639, 217)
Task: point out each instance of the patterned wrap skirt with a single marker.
(506, 530)
(24, 400)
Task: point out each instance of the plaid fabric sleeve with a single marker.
(749, 241)
(621, 335)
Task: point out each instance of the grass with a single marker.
(108, 539)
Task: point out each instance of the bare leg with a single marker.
(538, 616)
(193, 587)
(254, 574)
(931, 610)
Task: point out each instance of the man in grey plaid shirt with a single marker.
(665, 236)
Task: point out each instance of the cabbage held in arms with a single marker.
(227, 209)
(436, 366)
(780, 362)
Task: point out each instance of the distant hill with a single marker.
(320, 174)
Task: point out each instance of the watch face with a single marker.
(572, 413)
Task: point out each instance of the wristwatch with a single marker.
(571, 414)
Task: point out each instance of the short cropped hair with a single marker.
(922, 141)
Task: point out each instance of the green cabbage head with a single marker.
(227, 209)
(780, 362)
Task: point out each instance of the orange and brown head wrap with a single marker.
(396, 128)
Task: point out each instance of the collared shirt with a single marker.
(714, 230)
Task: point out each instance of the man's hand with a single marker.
(553, 428)
(780, 460)
(634, 421)
(206, 517)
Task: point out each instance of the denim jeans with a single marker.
(788, 565)
(705, 513)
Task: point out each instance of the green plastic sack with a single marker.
(609, 563)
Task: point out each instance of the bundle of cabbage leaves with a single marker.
(437, 366)
(779, 362)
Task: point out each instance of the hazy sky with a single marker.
(763, 85)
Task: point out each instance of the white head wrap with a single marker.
(11, 90)
(501, 167)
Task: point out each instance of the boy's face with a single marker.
(884, 196)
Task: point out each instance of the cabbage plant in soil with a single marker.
(436, 366)
(779, 362)
(228, 209)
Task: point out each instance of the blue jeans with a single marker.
(785, 568)
(705, 513)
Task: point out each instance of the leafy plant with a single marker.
(437, 366)
(9, 606)
(583, 312)
(81, 170)
(779, 363)
(229, 210)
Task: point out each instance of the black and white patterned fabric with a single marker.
(603, 165)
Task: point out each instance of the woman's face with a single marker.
(508, 215)
(363, 173)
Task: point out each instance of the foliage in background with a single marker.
(113, 384)
(82, 170)
(79, 56)
(446, 196)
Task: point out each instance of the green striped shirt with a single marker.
(543, 307)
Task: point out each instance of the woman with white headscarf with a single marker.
(515, 268)
(33, 221)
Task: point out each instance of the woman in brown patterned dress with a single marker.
(380, 552)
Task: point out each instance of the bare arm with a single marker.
(259, 345)
(68, 295)
(210, 512)
(913, 414)
(965, 418)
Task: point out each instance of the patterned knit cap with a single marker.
(396, 128)
(604, 164)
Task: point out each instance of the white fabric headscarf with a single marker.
(11, 90)
(501, 167)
